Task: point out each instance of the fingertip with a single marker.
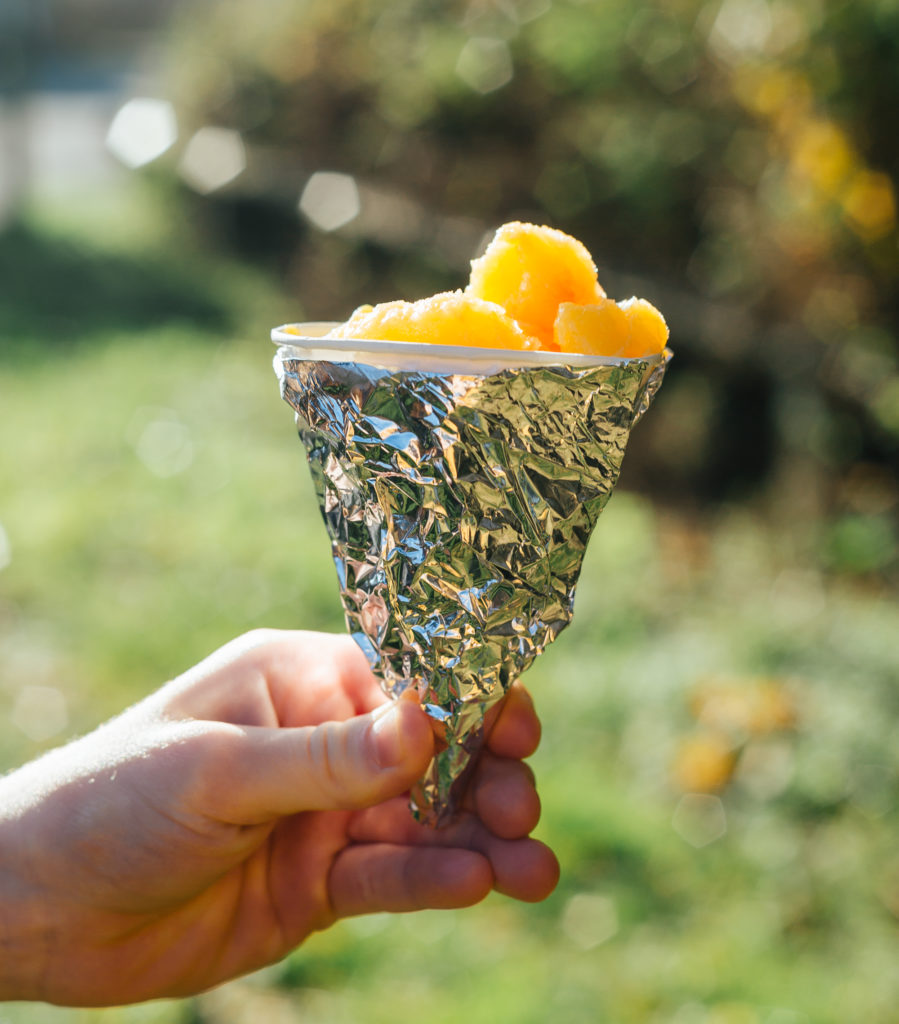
(530, 875)
(547, 875)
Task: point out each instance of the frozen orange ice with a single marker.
(530, 270)
(625, 330)
(448, 318)
(649, 332)
(534, 288)
(600, 328)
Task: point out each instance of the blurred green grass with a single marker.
(155, 502)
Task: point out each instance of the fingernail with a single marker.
(390, 748)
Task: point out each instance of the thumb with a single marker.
(336, 765)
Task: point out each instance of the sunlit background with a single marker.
(720, 765)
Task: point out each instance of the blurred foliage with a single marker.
(719, 768)
(730, 161)
(92, 291)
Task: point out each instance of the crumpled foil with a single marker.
(459, 506)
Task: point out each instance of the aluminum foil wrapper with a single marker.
(459, 506)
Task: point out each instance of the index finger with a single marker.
(276, 677)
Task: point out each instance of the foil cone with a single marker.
(459, 504)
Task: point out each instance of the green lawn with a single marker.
(154, 502)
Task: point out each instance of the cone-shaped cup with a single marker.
(459, 487)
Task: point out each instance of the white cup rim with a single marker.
(307, 342)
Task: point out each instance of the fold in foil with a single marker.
(459, 506)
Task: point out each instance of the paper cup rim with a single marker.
(309, 342)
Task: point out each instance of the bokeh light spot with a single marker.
(141, 131)
(213, 158)
(5, 548)
(822, 154)
(161, 441)
(741, 27)
(40, 712)
(530, 10)
(699, 819)
(485, 64)
(330, 200)
(766, 768)
(703, 763)
(886, 405)
(870, 205)
(589, 920)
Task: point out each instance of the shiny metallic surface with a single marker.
(459, 507)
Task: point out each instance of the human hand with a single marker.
(211, 828)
